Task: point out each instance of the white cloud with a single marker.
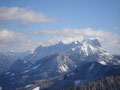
(116, 28)
(64, 39)
(10, 40)
(23, 14)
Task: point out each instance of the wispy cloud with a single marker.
(116, 28)
(10, 40)
(23, 14)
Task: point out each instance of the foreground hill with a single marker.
(108, 83)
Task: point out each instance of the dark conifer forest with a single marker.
(108, 83)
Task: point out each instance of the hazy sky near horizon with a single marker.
(25, 24)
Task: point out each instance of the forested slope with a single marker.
(107, 83)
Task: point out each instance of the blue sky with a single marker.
(72, 14)
(96, 14)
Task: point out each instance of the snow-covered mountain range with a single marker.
(61, 59)
(86, 48)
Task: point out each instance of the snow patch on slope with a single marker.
(28, 85)
(64, 68)
(102, 62)
(85, 48)
(77, 82)
(37, 88)
(91, 67)
(35, 67)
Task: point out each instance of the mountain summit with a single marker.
(56, 59)
(89, 49)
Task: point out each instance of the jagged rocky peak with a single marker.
(39, 47)
(61, 46)
(60, 43)
(87, 47)
(93, 42)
